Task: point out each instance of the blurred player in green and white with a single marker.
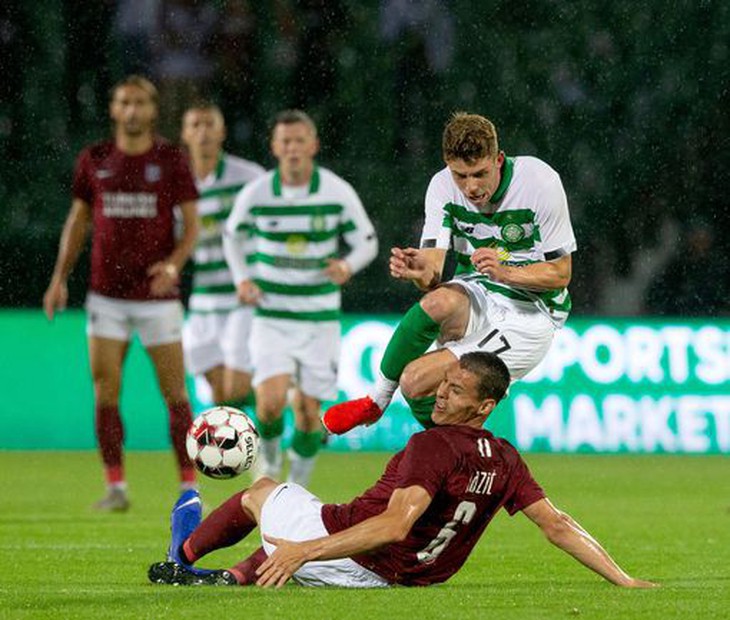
(508, 223)
(216, 333)
(288, 224)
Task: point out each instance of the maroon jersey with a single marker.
(131, 199)
(469, 473)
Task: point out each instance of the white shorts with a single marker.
(308, 351)
(293, 513)
(519, 333)
(156, 322)
(218, 339)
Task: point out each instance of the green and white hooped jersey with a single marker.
(213, 288)
(288, 233)
(529, 222)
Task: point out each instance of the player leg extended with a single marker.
(191, 540)
(159, 325)
(286, 511)
(168, 362)
(106, 357)
(443, 313)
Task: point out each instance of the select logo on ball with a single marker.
(222, 442)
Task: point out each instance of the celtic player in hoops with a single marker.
(288, 225)
(216, 333)
(507, 221)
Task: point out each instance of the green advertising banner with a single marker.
(605, 386)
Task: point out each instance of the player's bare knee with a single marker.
(442, 303)
(269, 410)
(414, 381)
(254, 497)
(106, 389)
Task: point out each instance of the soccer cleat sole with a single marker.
(172, 574)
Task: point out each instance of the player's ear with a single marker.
(487, 406)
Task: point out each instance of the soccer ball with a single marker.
(222, 442)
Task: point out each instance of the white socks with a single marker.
(300, 468)
(269, 461)
(383, 391)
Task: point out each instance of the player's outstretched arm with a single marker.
(75, 231)
(564, 532)
(423, 266)
(391, 525)
(541, 276)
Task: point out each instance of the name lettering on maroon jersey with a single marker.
(129, 205)
(481, 482)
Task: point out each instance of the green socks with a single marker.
(306, 444)
(411, 339)
(421, 408)
(271, 430)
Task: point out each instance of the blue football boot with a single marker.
(185, 517)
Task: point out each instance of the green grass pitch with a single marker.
(663, 518)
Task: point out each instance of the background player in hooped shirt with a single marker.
(216, 333)
(288, 223)
(508, 223)
(416, 526)
(125, 192)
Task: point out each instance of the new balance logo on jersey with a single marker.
(152, 173)
(481, 482)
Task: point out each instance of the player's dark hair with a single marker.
(140, 82)
(469, 137)
(290, 117)
(203, 104)
(492, 372)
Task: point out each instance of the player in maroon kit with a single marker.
(416, 526)
(124, 192)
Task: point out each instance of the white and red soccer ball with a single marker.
(222, 442)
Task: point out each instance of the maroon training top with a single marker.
(131, 199)
(469, 473)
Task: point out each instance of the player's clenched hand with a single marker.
(165, 277)
(55, 298)
(486, 261)
(286, 560)
(248, 292)
(338, 270)
(407, 264)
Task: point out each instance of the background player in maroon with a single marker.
(125, 191)
(415, 526)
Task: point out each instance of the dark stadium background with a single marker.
(628, 101)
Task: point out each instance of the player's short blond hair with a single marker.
(140, 82)
(469, 137)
